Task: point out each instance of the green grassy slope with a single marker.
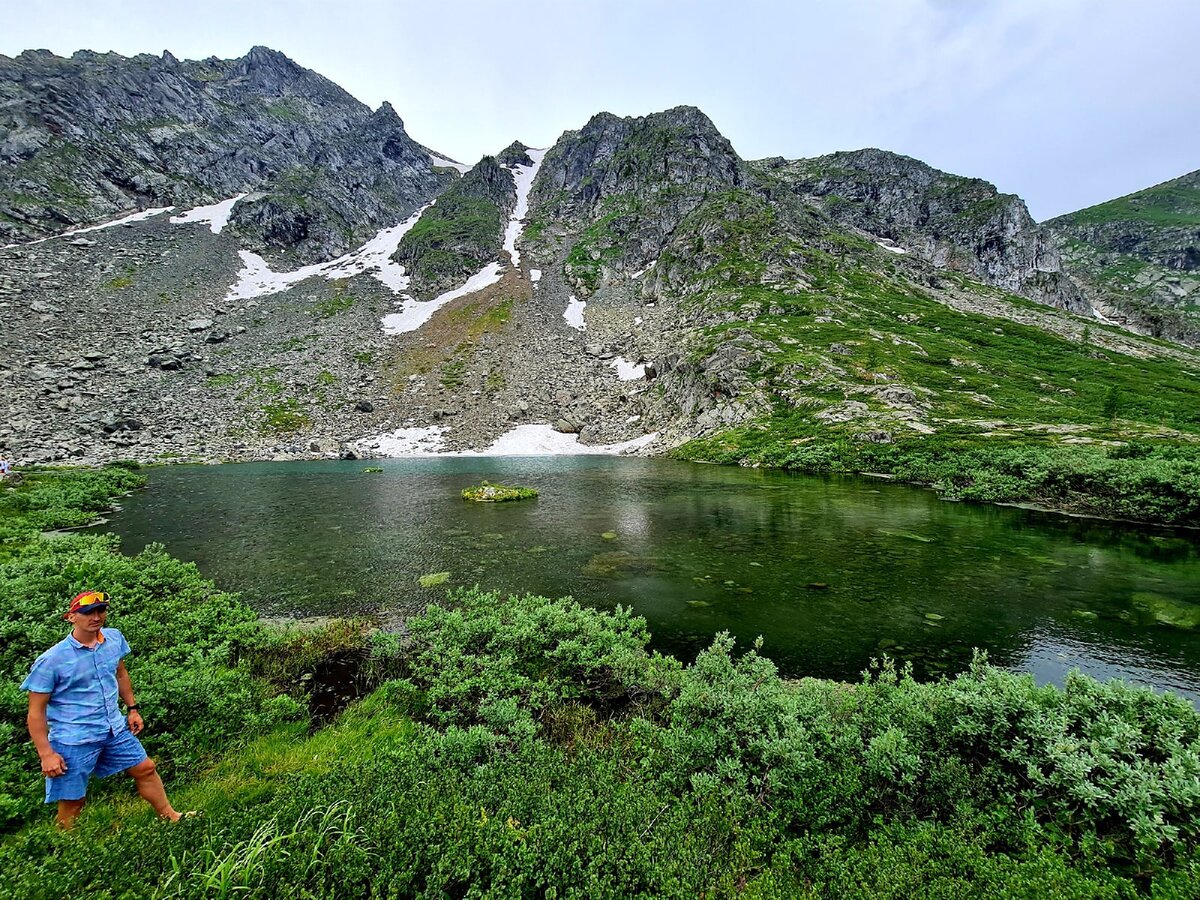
(868, 367)
(1138, 256)
(1175, 202)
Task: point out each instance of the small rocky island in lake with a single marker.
(497, 493)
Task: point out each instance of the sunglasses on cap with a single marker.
(87, 602)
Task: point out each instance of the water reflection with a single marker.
(832, 572)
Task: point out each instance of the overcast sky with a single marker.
(1064, 102)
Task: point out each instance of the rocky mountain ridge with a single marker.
(636, 278)
(962, 224)
(95, 136)
(1138, 257)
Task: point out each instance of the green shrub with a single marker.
(520, 746)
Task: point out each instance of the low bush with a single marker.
(1154, 484)
(521, 746)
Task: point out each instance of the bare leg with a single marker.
(150, 786)
(68, 812)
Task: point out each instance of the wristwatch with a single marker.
(130, 709)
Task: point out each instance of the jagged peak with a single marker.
(515, 154)
(386, 113)
(684, 114)
(260, 55)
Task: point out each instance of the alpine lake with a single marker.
(831, 572)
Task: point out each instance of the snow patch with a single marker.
(535, 275)
(627, 371)
(1101, 317)
(542, 440)
(891, 248)
(374, 257)
(448, 163)
(523, 175)
(640, 272)
(133, 217)
(216, 214)
(524, 440)
(414, 313)
(405, 442)
(574, 313)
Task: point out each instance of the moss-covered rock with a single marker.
(497, 493)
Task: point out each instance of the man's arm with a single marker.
(53, 765)
(125, 689)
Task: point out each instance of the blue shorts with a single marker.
(116, 753)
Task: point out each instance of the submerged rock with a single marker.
(1166, 611)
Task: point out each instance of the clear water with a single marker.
(830, 571)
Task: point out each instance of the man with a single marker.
(74, 719)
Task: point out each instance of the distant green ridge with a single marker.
(1175, 202)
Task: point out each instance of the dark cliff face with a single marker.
(620, 187)
(465, 229)
(97, 135)
(958, 223)
(611, 156)
(1138, 257)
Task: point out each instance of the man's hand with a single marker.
(53, 765)
(135, 722)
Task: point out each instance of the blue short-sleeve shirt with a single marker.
(82, 684)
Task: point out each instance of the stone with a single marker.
(167, 362)
(874, 437)
(364, 406)
(843, 412)
(112, 424)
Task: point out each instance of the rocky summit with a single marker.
(95, 136)
(234, 259)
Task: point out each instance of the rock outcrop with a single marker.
(621, 186)
(463, 231)
(962, 224)
(1138, 257)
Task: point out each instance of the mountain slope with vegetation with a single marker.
(460, 233)
(857, 312)
(794, 331)
(1139, 257)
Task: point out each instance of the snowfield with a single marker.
(524, 440)
(374, 257)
